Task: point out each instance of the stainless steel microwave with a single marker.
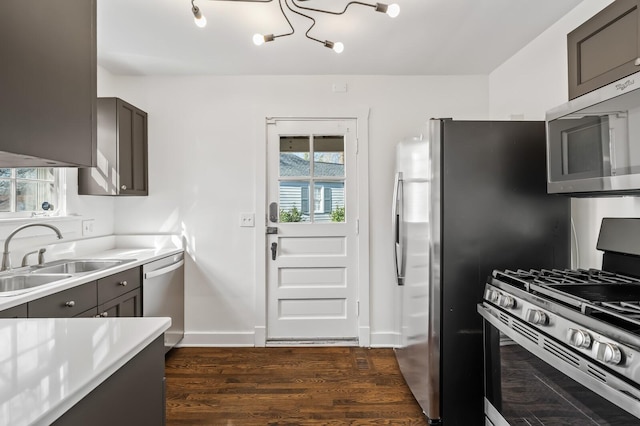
(593, 142)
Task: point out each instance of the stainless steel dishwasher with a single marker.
(163, 295)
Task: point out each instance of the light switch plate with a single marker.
(247, 220)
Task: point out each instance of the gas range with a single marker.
(593, 312)
(584, 322)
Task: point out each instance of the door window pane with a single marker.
(294, 156)
(294, 201)
(328, 156)
(329, 202)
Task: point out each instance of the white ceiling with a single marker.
(429, 37)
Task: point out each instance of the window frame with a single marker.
(57, 201)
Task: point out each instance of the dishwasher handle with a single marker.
(162, 271)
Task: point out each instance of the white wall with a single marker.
(203, 137)
(535, 80)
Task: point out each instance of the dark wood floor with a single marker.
(287, 386)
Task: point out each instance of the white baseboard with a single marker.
(249, 339)
(217, 339)
(385, 340)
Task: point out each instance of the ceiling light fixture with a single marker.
(294, 6)
(198, 17)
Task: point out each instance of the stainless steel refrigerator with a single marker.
(469, 198)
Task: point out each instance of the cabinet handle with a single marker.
(123, 283)
(123, 187)
(70, 304)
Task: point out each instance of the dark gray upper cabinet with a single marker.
(122, 150)
(605, 48)
(47, 83)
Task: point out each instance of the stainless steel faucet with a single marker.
(6, 258)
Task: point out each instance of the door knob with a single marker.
(274, 250)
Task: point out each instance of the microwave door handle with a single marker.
(396, 220)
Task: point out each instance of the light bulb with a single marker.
(198, 17)
(258, 39)
(393, 10)
(201, 22)
(338, 47)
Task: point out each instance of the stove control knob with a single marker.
(537, 317)
(488, 294)
(492, 296)
(608, 353)
(507, 301)
(579, 338)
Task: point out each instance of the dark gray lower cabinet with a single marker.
(117, 295)
(19, 311)
(132, 396)
(126, 305)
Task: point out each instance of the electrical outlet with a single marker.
(87, 227)
(247, 220)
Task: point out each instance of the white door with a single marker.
(312, 259)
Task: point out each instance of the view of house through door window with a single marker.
(312, 178)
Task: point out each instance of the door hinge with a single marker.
(358, 308)
(357, 226)
(357, 147)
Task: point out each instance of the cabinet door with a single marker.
(48, 83)
(132, 147)
(90, 313)
(65, 304)
(122, 142)
(605, 48)
(133, 395)
(127, 305)
(19, 311)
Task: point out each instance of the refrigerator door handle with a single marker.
(396, 219)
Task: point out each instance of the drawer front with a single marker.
(67, 303)
(19, 311)
(118, 284)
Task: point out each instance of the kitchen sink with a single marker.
(22, 282)
(77, 266)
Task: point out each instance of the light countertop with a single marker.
(48, 365)
(125, 249)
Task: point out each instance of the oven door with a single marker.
(522, 388)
